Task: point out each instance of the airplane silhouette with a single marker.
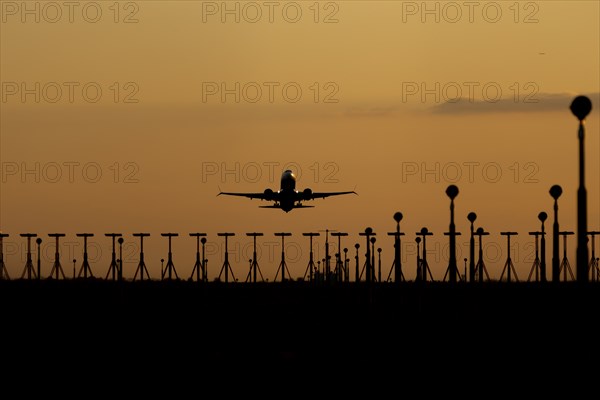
(287, 197)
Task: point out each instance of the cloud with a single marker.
(541, 102)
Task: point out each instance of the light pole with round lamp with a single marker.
(452, 192)
(472, 217)
(555, 192)
(542, 217)
(397, 265)
(581, 107)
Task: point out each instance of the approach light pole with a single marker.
(581, 107)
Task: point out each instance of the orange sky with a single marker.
(152, 152)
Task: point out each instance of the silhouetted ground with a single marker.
(159, 332)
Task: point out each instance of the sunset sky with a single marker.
(132, 118)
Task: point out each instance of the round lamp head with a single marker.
(369, 230)
(555, 191)
(203, 240)
(398, 216)
(356, 246)
(38, 240)
(120, 240)
(479, 230)
(581, 107)
(379, 249)
(373, 239)
(162, 260)
(418, 240)
(424, 231)
(542, 216)
(345, 249)
(472, 217)
(452, 191)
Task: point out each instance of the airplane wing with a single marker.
(322, 195)
(261, 195)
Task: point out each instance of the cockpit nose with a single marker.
(289, 173)
(288, 180)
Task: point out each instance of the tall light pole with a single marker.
(581, 107)
(555, 192)
(368, 233)
(452, 192)
(472, 217)
(120, 240)
(38, 241)
(397, 265)
(357, 271)
(542, 217)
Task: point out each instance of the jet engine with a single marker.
(268, 194)
(307, 194)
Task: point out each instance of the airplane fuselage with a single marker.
(287, 192)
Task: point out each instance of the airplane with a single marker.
(287, 197)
